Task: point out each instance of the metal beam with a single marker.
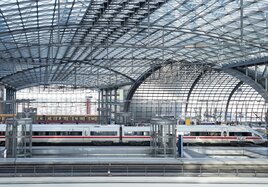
(138, 27)
(139, 81)
(247, 63)
(192, 88)
(229, 98)
(82, 62)
(248, 80)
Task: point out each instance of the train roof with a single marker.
(211, 128)
(51, 127)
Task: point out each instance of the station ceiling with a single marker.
(111, 43)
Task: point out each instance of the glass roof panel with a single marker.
(102, 32)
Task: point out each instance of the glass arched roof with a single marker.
(104, 43)
(202, 96)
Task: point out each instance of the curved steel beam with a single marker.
(139, 81)
(229, 98)
(156, 27)
(192, 88)
(54, 83)
(99, 66)
(83, 62)
(248, 80)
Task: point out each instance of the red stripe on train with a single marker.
(185, 137)
(220, 137)
(90, 137)
(75, 136)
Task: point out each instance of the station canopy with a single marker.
(111, 43)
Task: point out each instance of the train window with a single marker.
(103, 133)
(146, 133)
(137, 133)
(75, 133)
(130, 133)
(51, 133)
(198, 134)
(232, 133)
(63, 133)
(194, 134)
(43, 133)
(240, 134)
(246, 134)
(37, 133)
(205, 133)
(214, 133)
(2, 133)
(82, 118)
(46, 133)
(92, 118)
(235, 134)
(185, 133)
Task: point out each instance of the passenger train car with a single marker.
(79, 133)
(219, 134)
(112, 134)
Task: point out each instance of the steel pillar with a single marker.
(10, 104)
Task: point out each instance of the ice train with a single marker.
(113, 134)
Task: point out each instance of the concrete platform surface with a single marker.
(134, 160)
(133, 181)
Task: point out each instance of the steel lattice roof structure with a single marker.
(111, 43)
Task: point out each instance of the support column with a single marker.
(18, 138)
(110, 106)
(99, 105)
(102, 106)
(2, 88)
(106, 108)
(10, 104)
(115, 105)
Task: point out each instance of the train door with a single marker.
(86, 135)
(120, 134)
(224, 135)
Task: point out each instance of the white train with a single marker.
(110, 134)
(86, 133)
(220, 134)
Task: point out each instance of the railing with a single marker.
(2, 153)
(132, 170)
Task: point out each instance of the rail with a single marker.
(132, 170)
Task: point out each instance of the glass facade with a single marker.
(60, 101)
(188, 91)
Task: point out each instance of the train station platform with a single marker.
(136, 161)
(133, 167)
